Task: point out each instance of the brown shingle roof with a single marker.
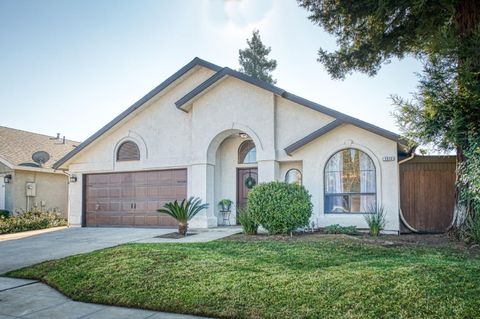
(17, 146)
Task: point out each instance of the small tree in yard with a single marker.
(445, 35)
(279, 207)
(183, 212)
(254, 59)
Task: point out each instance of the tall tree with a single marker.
(445, 35)
(254, 59)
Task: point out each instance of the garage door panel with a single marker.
(109, 197)
(166, 192)
(152, 220)
(139, 220)
(128, 191)
(115, 192)
(127, 220)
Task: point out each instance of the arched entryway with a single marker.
(235, 173)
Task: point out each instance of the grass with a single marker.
(324, 278)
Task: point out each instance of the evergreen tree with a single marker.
(254, 59)
(445, 35)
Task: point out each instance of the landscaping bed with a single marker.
(315, 276)
(32, 220)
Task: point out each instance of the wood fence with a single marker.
(427, 192)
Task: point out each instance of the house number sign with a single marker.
(388, 158)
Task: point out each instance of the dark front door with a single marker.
(246, 179)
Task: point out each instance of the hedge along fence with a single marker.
(279, 207)
(31, 220)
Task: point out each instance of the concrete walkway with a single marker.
(23, 252)
(30, 299)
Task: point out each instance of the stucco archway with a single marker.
(228, 171)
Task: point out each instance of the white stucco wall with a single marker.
(205, 141)
(316, 154)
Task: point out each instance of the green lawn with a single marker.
(320, 278)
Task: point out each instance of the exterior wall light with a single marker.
(73, 178)
(7, 178)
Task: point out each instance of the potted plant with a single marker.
(183, 211)
(225, 205)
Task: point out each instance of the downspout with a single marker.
(404, 221)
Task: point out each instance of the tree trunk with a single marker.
(182, 228)
(467, 20)
(460, 210)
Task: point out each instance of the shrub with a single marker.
(474, 228)
(280, 207)
(337, 229)
(31, 220)
(375, 219)
(183, 211)
(4, 213)
(245, 219)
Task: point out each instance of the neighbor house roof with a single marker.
(221, 73)
(17, 147)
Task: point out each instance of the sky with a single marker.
(72, 66)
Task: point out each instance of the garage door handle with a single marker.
(131, 205)
(135, 205)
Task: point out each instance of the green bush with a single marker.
(474, 228)
(245, 219)
(337, 229)
(375, 219)
(4, 213)
(31, 220)
(280, 207)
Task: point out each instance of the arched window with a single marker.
(293, 176)
(350, 182)
(247, 152)
(128, 151)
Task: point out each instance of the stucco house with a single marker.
(26, 184)
(214, 133)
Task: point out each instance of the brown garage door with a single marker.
(132, 198)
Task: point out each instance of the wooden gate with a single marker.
(427, 192)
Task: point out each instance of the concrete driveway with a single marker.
(19, 253)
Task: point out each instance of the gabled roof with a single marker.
(17, 147)
(188, 99)
(195, 62)
(190, 96)
(221, 73)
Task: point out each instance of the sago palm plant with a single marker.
(183, 211)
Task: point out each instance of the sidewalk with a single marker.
(21, 298)
(25, 234)
(201, 235)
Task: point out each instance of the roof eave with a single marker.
(313, 136)
(6, 163)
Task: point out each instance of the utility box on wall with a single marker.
(31, 189)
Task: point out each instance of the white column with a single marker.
(75, 199)
(268, 171)
(202, 185)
